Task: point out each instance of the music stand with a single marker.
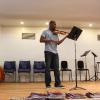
(74, 34)
(95, 76)
(84, 55)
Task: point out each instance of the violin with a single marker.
(60, 32)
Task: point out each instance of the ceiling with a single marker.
(36, 12)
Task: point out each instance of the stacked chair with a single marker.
(10, 70)
(38, 68)
(24, 68)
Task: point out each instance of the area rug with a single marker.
(48, 96)
(61, 96)
(75, 96)
(93, 95)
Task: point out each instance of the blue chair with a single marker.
(38, 67)
(10, 68)
(24, 67)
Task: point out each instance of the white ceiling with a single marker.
(35, 12)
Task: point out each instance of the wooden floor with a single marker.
(21, 90)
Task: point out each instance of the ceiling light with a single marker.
(47, 23)
(21, 22)
(90, 25)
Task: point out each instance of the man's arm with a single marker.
(60, 41)
(43, 39)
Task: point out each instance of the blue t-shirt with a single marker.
(51, 46)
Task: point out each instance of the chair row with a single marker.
(39, 67)
(24, 67)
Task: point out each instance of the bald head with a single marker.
(52, 25)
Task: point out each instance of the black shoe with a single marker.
(48, 86)
(59, 86)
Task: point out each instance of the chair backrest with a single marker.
(80, 64)
(24, 66)
(64, 65)
(10, 66)
(39, 67)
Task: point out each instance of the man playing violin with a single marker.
(51, 40)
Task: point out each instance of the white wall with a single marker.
(0, 29)
(12, 47)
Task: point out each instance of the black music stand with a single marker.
(74, 34)
(84, 55)
(95, 69)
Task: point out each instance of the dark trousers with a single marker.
(52, 60)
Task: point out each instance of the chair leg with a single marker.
(19, 77)
(80, 75)
(71, 76)
(86, 76)
(33, 77)
(89, 74)
(30, 77)
(97, 69)
(14, 76)
(76, 72)
(62, 75)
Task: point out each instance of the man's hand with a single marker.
(59, 41)
(55, 41)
